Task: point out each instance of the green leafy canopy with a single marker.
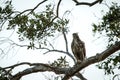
(110, 24)
(33, 26)
(5, 12)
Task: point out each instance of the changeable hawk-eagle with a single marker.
(78, 48)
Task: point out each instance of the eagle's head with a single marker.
(75, 35)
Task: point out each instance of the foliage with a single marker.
(33, 26)
(110, 26)
(5, 12)
(39, 26)
(60, 62)
(110, 64)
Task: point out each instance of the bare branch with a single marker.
(65, 38)
(31, 10)
(60, 51)
(86, 3)
(66, 43)
(11, 42)
(57, 11)
(37, 5)
(51, 45)
(117, 75)
(1, 24)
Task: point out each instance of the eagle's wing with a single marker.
(78, 48)
(82, 49)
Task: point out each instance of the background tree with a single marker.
(110, 27)
(36, 28)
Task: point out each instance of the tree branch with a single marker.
(65, 38)
(31, 10)
(117, 75)
(79, 75)
(38, 67)
(57, 11)
(11, 42)
(92, 60)
(6, 72)
(86, 3)
(37, 5)
(66, 43)
(69, 72)
(60, 51)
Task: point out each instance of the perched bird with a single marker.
(78, 48)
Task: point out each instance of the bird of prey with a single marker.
(78, 48)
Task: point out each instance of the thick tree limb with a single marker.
(69, 72)
(39, 67)
(92, 60)
(86, 3)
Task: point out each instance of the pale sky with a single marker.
(82, 18)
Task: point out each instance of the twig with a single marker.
(50, 44)
(57, 12)
(116, 76)
(31, 10)
(60, 51)
(37, 5)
